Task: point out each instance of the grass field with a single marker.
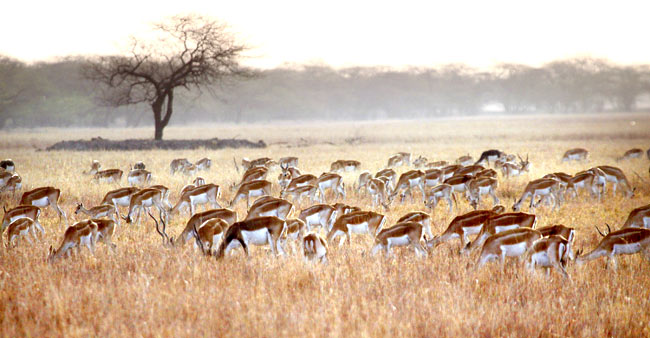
(145, 289)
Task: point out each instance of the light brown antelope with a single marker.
(105, 231)
(362, 182)
(438, 193)
(358, 222)
(509, 243)
(210, 233)
(559, 230)
(95, 166)
(142, 200)
(5, 176)
(449, 171)
(289, 161)
(500, 223)
(377, 190)
(257, 231)
(208, 193)
(630, 154)
(322, 215)
(626, 241)
(550, 252)
(510, 169)
(432, 177)
(199, 181)
(638, 218)
(43, 197)
(345, 165)
(396, 161)
(109, 176)
(178, 164)
(21, 228)
(297, 193)
(189, 170)
(258, 162)
(203, 164)
(465, 160)
(462, 227)
(546, 188)
(102, 210)
(401, 234)
(314, 247)
(21, 211)
(420, 162)
(295, 229)
(470, 170)
(164, 191)
(277, 207)
(286, 175)
(459, 183)
(251, 189)
(419, 217)
(302, 180)
(253, 174)
(330, 181)
(195, 222)
(15, 182)
(576, 154)
(486, 173)
(585, 181)
(391, 175)
(119, 197)
(482, 186)
(437, 164)
(407, 181)
(139, 177)
(616, 177)
(342, 209)
(75, 236)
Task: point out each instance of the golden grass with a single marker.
(144, 289)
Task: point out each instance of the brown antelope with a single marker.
(210, 233)
(258, 231)
(500, 223)
(208, 193)
(462, 227)
(145, 199)
(314, 247)
(419, 217)
(332, 182)
(258, 162)
(21, 228)
(437, 164)
(470, 170)
(576, 154)
(399, 160)
(12, 184)
(7, 165)
(626, 241)
(251, 189)
(105, 231)
(42, 197)
(295, 229)
(550, 252)
(119, 197)
(297, 193)
(277, 207)
(289, 161)
(189, 170)
(138, 165)
(465, 160)
(21, 211)
(139, 177)
(302, 180)
(432, 177)
(178, 164)
(510, 243)
(377, 190)
(288, 173)
(616, 177)
(342, 209)
(5, 176)
(583, 180)
(482, 186)
(203, 164)
(80, 233)
(559, 230)
(630, 154)
(438, 193)
(510, 169)
(164, 191)
(109, 175)
(358, 222)
(401, 234)
(486, 173)
(459, 183)
(102, 210)
(322, 215)
(449, 171)
(546, 188)
(198, 219)
(95, 166)
(390, 174)
(253, 174)
(345, 165)
(490, 156)
(362, 182)
(420, 162)
(638, 218)
(407, 181)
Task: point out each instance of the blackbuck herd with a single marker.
(323, 216)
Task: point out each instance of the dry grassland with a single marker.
(145, 289)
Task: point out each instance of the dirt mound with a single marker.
(98, 143)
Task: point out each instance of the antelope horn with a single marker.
(599, 231)
(609, 230)
(236, 166)
(198, 239)
(161, 233)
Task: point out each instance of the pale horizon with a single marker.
(341, 34)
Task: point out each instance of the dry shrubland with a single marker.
(145, 289)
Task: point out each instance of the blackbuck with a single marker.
(321, 215)
(558, 230)
(277, 207)
(138, 165)
(432, 177)
(390, 174)
(399, 160)
(449, 171)
(21, 211)
(510, 243)
(342, 209)
(139, 177)
(462, 227)
(550, 252)
(490, 156)
(616, 177)
(407, 181)
(195, 222)
(638, 218)
(286, 175)
(486, 173)
(302, 180)
(258, 231)
(251, 189)
(420, 162)
(362, 181)
(105, 231)
(314, 247)
(95, 166)
(438, 193)
(546, 188)
(333, 182)
(345, 165)
(109, 176)
(586, 181)
(119, 197)
(510, 169)
(258, 162)
(164, 192)
(178, 164)
(20, 229)
(437, 164)
(626, 241)
(459, 183)
(8, 165)
(203, 164)
(297, 193)
(77, 235)
(253, 174)
(209, 235)
(465, 160)
(199, 181)
(500, 223)
(189, 170)
(470, 170)
(358, 222)
(481, 186)
(143, 200)
(401, 234)
(289, 161)
(43, 197)
(204, 194)
(419, 217)
(102, 210)
(14, 183)
(630, 154)
(378, 192)
(576, 154)
(295, 229)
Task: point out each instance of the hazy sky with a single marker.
(345, 33)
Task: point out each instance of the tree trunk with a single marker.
(156, 106)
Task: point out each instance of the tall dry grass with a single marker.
(145, 289)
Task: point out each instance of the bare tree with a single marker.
(189, 52)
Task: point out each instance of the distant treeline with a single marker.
(54, 93)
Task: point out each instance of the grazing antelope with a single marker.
(616, 177)
(289, 161)
(490, 156)
(511, 169)
(208, 193)
(420, 162)
(295, 229)
(80, 233)
(576, 154)
(342, 209)
(550, 252)
(109, 175)
(259, 162)
(199, 181)
(12, 184)
(209, 234)
(251, 189)
(345, 165)
(322, 215)
(189, 170)
(509, 243)
(482, 186)
(198, 219)
(314, 247)
(302, 180)
(626, 241)
(42, 197)
(21, 228)
(178, 164)
(544, 187)
(419, 217)
(450, 171)
(105, 231)
(102, 210)
(258, 231)
(583, 180)
(630, 154)
(395, 161)
(203, 164)
(432, 177)
(8, 165)
(119, 197)
(138, 177)
(253, 174)
(4, 177)
(390, 174)
(138, 166)
(298, 192)
(164, 191)
(462, 227)
(21, 211)
(486, 173)
(277, 207)
(465, 160)
(470, 170)
(377, 190)
(358, 222)
(407, 181)
(145, 199)
(459, 183)
(287, 174)
(362, 182)
(437, 164)
(401, 234)
(438, 193)
(499, 223)
(332, 182)
(638, 218)
(559, 230)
